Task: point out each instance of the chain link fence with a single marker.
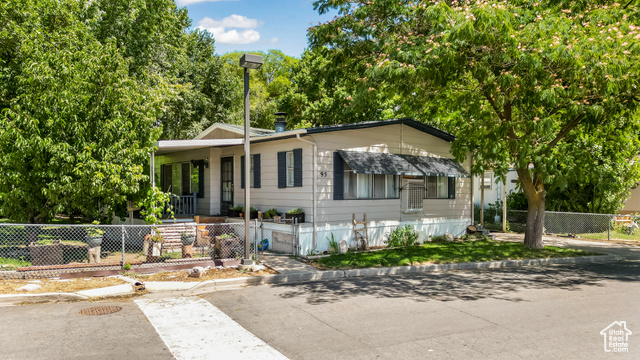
(49, 250)
(583, 225)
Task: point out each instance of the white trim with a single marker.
(225, 127)
(169, 146)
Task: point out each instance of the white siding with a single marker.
(398, 139)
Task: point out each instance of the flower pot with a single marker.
(232, 213)
(188, 240)
(94, 254)
(151, 248)
(299, 217)
(253, 214)
(93, 241)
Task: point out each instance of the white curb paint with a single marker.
(192, 328)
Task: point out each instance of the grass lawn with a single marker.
(12, 264)
(435, 253)
(614, 235)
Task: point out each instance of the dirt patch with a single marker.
(212, 274)
(58, 286)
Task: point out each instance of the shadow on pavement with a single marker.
(465, 285)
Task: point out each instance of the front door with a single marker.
(226, 180)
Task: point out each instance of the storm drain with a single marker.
(100, 310)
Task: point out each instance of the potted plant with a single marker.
(152, 247)
(227, 246)
(94, 240)
(240, 210)
(253, 213)
(187, 239)
(233, 211)
(270, 214)
(295, 214)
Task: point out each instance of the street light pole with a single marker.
(247, 61)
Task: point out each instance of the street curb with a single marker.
(298, 277)
(12, 299)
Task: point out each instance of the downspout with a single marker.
(473, 210)
(315, 186)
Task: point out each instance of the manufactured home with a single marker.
(396, 172)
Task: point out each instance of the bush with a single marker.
(438, 238)
(334, 248)
(402, 236)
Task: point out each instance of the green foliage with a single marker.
(402, 236)
(13, 263)
(550, 83)
(228, 236)
(295, 211)
(333, 245)
(153, 204)
(271, 213)
(516, 201)
(126, 267)
(157, 238)
(75, 125)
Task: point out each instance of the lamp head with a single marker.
(251, 61)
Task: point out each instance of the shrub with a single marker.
(126, 267)
(333, 245)
(270, 214)
(402, 236)
(438, 238)
(295, 211)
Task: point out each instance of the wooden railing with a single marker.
(185, 205)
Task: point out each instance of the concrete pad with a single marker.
(109, 291)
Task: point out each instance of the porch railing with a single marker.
(184, 205)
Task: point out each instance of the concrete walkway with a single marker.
(627, 251)
(286, 265)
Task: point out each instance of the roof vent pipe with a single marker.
(281, 122)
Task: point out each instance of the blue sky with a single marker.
(255, 24)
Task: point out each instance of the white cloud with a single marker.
(273, 40)
(222, 33)
(189, 2)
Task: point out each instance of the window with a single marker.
(437, 187)
(290, 169)
(369, 186)
(183, 178)
(488, 180)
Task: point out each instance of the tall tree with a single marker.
(75, 126)
(522, 77)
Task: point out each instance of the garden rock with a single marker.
(343, 248)
(29, 287)
(450, 237)
(257, 267)
(196, 272)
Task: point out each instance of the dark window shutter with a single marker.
(452, 188)
(162, 187)
(282, 169)
(338, 177)
(256, 171)
(297, 167)
(201, 180)
(242, 172)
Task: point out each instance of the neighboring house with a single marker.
(632, 205)
(396, 171)
(493, 188)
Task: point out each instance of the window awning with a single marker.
(397, 164)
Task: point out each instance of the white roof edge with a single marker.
(224, 126)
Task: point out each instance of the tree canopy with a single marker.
(551, 84)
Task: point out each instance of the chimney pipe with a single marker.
(281, 121)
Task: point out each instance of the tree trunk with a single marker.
(535, 193)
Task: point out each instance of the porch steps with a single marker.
(172, 235)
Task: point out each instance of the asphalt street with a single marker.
(548, 312)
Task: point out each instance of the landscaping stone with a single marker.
(450, 237)
(257, 267)
(343, 248)
(29, 287)
(196, 272)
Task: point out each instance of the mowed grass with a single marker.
(439, 253)
(12, 264)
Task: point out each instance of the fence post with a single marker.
(255, 239)
(609, 228)
(122, 246)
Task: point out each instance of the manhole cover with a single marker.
(100, 310)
